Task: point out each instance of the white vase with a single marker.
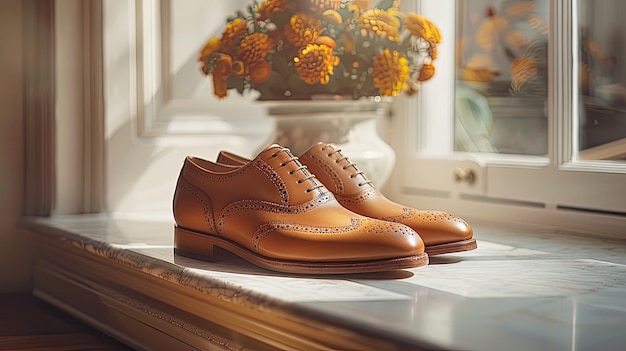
(350, 125)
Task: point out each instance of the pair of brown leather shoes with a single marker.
(275, 213)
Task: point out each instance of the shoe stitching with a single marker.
(255, 205)
(368, 224)
(425, 216)
(406, 214)
(200, 196)
(276, 179)
(337, 181)
(216, 177)
(267, 228)
(357, 199)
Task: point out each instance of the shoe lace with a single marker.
(300, 169)
(348, 164)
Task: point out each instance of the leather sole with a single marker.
(206, 246)
(457, 246)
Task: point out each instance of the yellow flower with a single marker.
(380, 22)
(270, 7)
(391, 72)
(232, 34)
(210, 50)
(254, 47)
(302, 29)
(422, 27)
(315, 63)
(299, 48)
(326, 40)
(332, 16)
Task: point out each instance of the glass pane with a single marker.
(501, 76)
(602, 80)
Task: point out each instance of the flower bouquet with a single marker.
(298, 49)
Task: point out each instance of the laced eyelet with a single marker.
(283, 164)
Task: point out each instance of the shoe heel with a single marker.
(195, 245)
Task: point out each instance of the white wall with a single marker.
(15, 244)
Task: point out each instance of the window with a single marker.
(554, 151)
(522, 122)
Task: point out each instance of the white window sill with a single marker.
(521, 288)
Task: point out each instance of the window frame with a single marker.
(557, 190)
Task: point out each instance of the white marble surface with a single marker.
(520, 290)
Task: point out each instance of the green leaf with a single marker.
(384, 4)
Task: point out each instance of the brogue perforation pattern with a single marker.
(337, 181)
(205, 202)
(279, 183)
(426, 216)
(271, 227)
(406, 214)
(356, 199)
(252, 205)
(371, 226)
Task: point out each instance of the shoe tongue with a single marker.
(274, 148)
(322, 151)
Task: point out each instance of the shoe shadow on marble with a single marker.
(225, 262)
(437, 260)
(494, 251)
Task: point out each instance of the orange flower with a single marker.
(380, 22)
(270, 7)
(238, 69)
(302, 29)
(522, 70)
(315, 63)
(326, 40)
(232, 34)
(391, 72)
(422, 27)
(300, 42)
(426, 72)
(221, 71)
(209, 51)
(260, 71)
(254, 47)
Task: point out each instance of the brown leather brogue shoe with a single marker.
(441, 232)
(275, 214)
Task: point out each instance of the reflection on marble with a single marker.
(520, 290)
